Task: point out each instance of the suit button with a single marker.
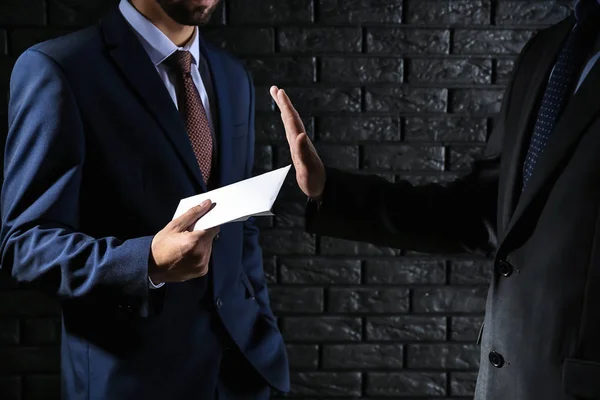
(218, 303)
(496, 359)
(505, 268)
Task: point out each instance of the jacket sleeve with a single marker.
(40, 241)
(459, 217)
(252, 252)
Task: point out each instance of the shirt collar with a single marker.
(158, 46)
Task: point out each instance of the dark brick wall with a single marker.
(405, 89)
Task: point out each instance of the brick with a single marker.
(19, 13)
(471, 272)
(476, 101)
(263, 157)
(407, 41)
(270, 11)
(263, 102)
(450, 299)
(242, 41)
(368, 300)
(460, 12)
(40, 331)
(424, 180)
(404, 157)
(283, 242)
(445, 129)
(41, 387)
(338, 156)
(360, 11)
(318, 39)
(332, 155)
(320, 271)
(281, 70)
(29, 303)
(490, 42)
(398, 384)
(340, 247)
(269, 127)
(455, 71)
(406, 328)
(362, 69)
(289, 214)
(443, 356)
(10, 387)
(465, 328)
(76, 14)
(405, 99)
(460, 158)
(463, 383)
(22, 39)
(405, 271)
(290, 299)
(29, 359)
(336, 99)
(321, 329)
(504, 70)
(354, 356)
(352, 129)
(303, 355)
(9, 331)
(334, 384)
(270, 269)
(530, 12)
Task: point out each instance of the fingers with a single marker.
(291, 120)
(190, 217)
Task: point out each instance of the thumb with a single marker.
(190, 217)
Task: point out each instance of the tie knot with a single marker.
(180, 61)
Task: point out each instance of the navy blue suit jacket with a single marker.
(97, 159)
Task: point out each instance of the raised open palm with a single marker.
(310, 172)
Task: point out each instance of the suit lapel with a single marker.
(131, 58)
(220, 84)
(580, 111)
(541, 58)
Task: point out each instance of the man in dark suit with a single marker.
(533, 199)
(109, 128)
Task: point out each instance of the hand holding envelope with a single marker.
(238, 201)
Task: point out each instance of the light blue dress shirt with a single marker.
(159, 47)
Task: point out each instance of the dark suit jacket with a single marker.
(97, 159)
(541, 335)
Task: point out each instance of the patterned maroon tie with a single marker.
(192, 110)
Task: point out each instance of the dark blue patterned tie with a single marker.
(569, 61)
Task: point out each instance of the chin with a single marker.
(189, 12)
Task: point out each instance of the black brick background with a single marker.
(404, 89)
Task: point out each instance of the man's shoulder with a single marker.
(70, 47)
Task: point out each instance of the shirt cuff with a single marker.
(153, 286)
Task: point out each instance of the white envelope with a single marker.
(239, 201)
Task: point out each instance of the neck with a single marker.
(179, 34)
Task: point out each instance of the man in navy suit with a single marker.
(109, 128)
